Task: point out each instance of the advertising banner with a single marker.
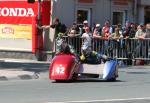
(16, 31)
(18, 15)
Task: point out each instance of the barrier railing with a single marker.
(120, 49)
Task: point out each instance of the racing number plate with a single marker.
(60, 69)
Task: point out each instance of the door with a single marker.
(118, 18)
(147, 14)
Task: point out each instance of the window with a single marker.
(117, 18)
(83, 14)
(147, 14)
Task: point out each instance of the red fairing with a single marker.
(62, 67)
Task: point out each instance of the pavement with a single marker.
(14, 74)
(17, 52)
(8, 74)
(15, 44)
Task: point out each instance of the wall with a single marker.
(144, 2)
(122, 8)
(65, 10)
(102, 11)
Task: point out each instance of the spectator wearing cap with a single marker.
(97, 36)
(97, 31)
(85, 24)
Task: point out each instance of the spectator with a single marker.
(126, 44)
(139, 35)
(126, 29)
(116, 35)
(86, 46)
(140, 32)
(60, 28)
(107, 30)
(97, 35)
(115, 41)
(73, 33)
(106, 33)
(85, 24)
(147, 33)
(97, 31)
(132, 30)
(73, 30)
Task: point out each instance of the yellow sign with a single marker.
(23, 31)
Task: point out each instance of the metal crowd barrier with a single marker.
(122, 49)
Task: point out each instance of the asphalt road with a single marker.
(132, 86)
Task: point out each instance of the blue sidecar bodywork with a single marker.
(103, 71)
(110, 71)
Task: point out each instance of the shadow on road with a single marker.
(84, 81)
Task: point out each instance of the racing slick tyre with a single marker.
(115, 75)
(58, 81)
(62, 81)
(74, 77)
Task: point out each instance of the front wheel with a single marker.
(115, 75)
(112, 79)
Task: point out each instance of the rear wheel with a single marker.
(75, 76)
(112, 79)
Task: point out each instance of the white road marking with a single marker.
(22, 61)
(104, 100)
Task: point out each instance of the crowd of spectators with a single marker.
(105, 32)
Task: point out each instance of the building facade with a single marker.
(97, 11)
(143, 11)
